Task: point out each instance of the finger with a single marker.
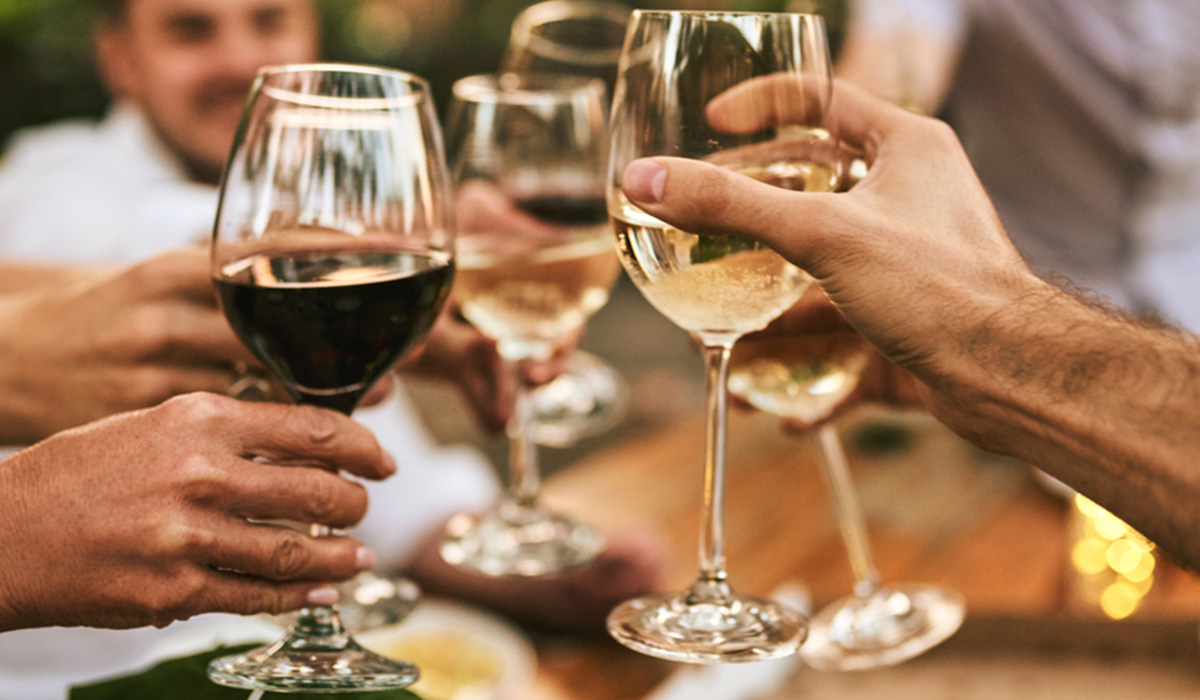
(181, 273)
(267, 491)
(379, 391)
(231, 592)
(777, 100)
(311, 435)
(283, 554)
(780, 99)
(702, 198)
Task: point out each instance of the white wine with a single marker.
(724, 285)
(528, 295)
(801, 377)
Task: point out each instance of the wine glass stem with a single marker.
(712, 523)
(847, 509)
(523, 472)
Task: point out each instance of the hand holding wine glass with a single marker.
(528, 151)
(332, 257)
(675, 67)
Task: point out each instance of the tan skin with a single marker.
(916, 260)
(189, 64)
(133, 337)
(140, 519)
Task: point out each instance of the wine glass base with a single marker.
(892, 625)
(676, 627)
(587, 399)
(281, 668)
(369, 601)
(516, 541)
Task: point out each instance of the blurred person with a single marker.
(915, 259)
(1082, 118)
(140, 518)
(142, 181)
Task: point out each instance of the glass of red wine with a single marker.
(332, 255)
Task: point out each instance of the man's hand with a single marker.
(111, 341)
(143, 518)
(912, 272)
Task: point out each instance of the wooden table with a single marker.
(939, 511)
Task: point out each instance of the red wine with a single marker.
(565, 210)
(330, 323)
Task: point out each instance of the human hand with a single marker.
(111, 341)
(913, 256)
(141, 518)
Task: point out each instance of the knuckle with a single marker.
(203, 482)
(290, 556)
(202, 410)
(321, 427)
(320, 499)
(264, 599)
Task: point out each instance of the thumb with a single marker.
(705, 199)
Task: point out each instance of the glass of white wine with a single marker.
(573, 37)
(747, 91)
(806, 377)
(535, 261)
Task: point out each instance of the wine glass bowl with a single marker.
(535, 262)
(332, 256)
(747, 92)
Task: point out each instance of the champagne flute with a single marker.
(672, 67)
(806, 378)
(573, 37)
(535, 262)
(332, 256)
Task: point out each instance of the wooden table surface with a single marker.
(939, 511)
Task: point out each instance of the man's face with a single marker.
(189, 65)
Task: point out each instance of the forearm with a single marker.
(1108, 405)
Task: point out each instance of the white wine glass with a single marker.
(575, 37)
(685, 77)
(536, 260)
(332, 256)
(584, 38)
(806, 377)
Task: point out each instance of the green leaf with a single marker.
(187, 679)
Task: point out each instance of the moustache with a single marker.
(220, 95)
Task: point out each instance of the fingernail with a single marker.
(364, 559)
(644, 180)
(326, 595)
(389, 463)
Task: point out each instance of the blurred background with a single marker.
(46, 52)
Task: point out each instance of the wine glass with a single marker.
(332, 256)
(772, 75)
(806, 378)
(535, 262)
(574, 37)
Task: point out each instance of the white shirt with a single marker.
(109, 192)
(1082, 118)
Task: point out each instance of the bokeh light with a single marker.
(1115, 563)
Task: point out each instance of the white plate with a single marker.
(464, 653)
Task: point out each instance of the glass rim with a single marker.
(491, 88)
(728, 13)
(419, 87)
(557, 11)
